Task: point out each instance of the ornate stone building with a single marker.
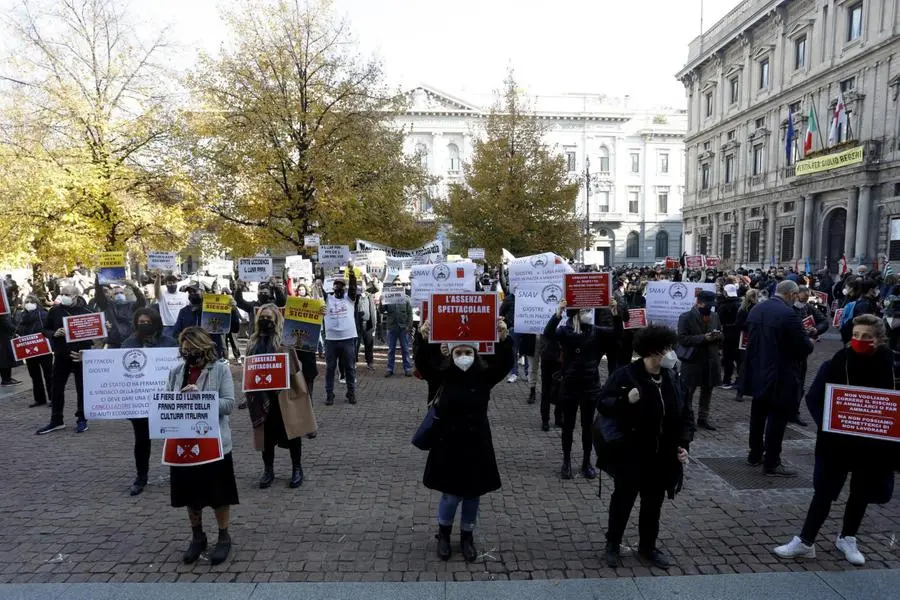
(634, 157)
(755, 198)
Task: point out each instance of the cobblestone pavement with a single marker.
(363, 514)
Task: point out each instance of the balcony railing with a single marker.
(727, 188)
(704, 193)
(757, 179)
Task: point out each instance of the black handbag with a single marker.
(684, 353)
(423, 438)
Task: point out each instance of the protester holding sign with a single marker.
(192, 316)
(268, 293)
(169, 302)
(280, 418)
(461, 463)
(210, 484)
(398, 324)
(66, 360)
(118, 309)
(40, 368)
(341, 335)
(869, 462)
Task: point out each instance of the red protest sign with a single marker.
(711, 262)
(808, 322)
(486, 348)
(693, 262)
(30, 346)
(672, 263)
(469, 317)
(587, 290)
(191, 452)
(744, 340)
(637, 318)
(836, 321)
(861, 411)
(821, 296)
(80, 328)
(266, 372)
(4, 301)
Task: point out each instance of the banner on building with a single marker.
(861, 411)
(851, 156)
(120, 383)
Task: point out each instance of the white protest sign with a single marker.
(441, 278)
(391, 296)
(313, 240)
(119, 384)
(190, 415)
(162, 261)
(255, 269)
(220, 267)
(535, 305)
(298, 267)
(539, 268)
(334, 255)
(476, 253)
(430, 252)
(668, 300)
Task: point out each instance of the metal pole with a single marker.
(587, 202)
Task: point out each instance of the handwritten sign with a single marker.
(476, 253)
(266, 372)
(468, 317)
(334, 255)
(184, 415)
(30, 346)
(162, 261)
(861, 411)
(255, 269)
(80, 328)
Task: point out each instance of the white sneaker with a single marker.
(522, 361)
(847, 545)
(796, 549)
(512, 379)
(342, 381)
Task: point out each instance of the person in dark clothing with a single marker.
(647, 426)
(866, 304)
(869, 462)
(528, 351)
(461, 463)
(66, 361)
(751, 299)
(32, 320)
(727, 309)
(190, 316)
(508, 314)
(581, 346)
(892, 324)
(148, 333)
(113, 302)
(550, 382)
(699, 335)
(268, 293)
(807, 310)
(7, 358)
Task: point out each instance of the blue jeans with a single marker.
(447, 511)
(515, 343)
(169, 331)
(393, 336)
(346, 350)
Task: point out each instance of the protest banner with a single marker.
(390, 297)
(431, 252)
(743, 340)
(862, 411)
(487, 348)
(120, 383)
(588, 290)
(535, 305)
(538, 269)
(266, 372)
(333, 256)
(637, 319)
(4, 301)
(442, 277)
(216, 314)
(672, 263)
(476, 253)
(507, 256)
(808, 322)
(255, 269)
(184, 415)
(191, 452)
(822, 297)
(313, 240)
(360, 258)
(219, 267)
(667, 300)
(303, 323)
(30, 346)
(162, 261)
(711, 262)
(836, 320)
(112, 267)
(80, 328)
(468, 317)
(299, 267)
(693, 262)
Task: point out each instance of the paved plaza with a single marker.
(362, 514)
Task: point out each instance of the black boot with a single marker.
(267, 478)
(296, 477)
(532, 397)
(222, 549)
(329, 400)
(566, 471)
(198, 545)
(138, 486)
(545, 425)
(443, 542)
(613, 555)
(467, 542)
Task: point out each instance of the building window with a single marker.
(662, 244)
(848, 84)
(635, 162)
(704, 220)
(788, 207)
(854, 21)
(758, 159)
(764, 74)
(453, 152)
(787, 244)
(726, 216)
(570, 161)
(633, 202)
(603, 201)
(734, 90)
(662, 203)
(729, 168)
(709, 104)
(755, 212)
(754, 244)
(726, 245)
(704, 176)
(632, 245)
(800, 53)
(894, 243)
(794, 108)
(704, 244)
(760, 122)
(664, 164)
(604, 159)
(730, 135)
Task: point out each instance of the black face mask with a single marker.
(264, 298)
(195, 299)
(266, 325)
(172, 289)
(705, 310)
(192, 359)
(145, 329)
(339, 293)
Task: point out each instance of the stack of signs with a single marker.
(255, 269)
(303, 323)
(672, 263)
(190, 415)
(693, 262)
(392, 296)
(637, 319)
(588, 290)
(299, 267)
(476, 253)
(216, 315)
(112, 267)
(442, 277)
(4, 301)
(120, 383)
(30, 346)
(313, 240)
(81, 328)
(162, 261)
(266, 373)
(469, 317)
(334, 256)
(668, 300)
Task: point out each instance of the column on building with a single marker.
(864, 211)
(850, 227)
(808, 212)
(713, 249)
(739, 251)
(799, 230)
(770, 232)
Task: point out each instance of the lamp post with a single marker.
(587, 204)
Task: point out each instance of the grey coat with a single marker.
(216, 377)
(703, 369)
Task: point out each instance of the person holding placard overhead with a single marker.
(870, 462)
(211, 484)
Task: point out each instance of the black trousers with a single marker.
(367, 342)
(295, 447)
(62, 368)
(5, 374)
(628, 483)
(141, 447)
(40, 370)
(768, 420)
(731, 360)
(830, 476)
(548, 368)
(572, 401)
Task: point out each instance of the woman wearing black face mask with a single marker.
(147, 334)
(281, 418)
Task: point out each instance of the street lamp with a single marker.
(587, 203)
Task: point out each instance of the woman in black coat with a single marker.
(871, 463)
(7, 358)
(751, 299)
(40, 369)
(647, 427)
(461, 463)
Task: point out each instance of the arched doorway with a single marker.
(835, 226)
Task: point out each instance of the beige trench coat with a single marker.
(295, 404)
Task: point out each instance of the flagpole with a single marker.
(818, 122)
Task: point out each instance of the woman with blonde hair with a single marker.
(210, 484)
(281, 418)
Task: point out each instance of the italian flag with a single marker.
(811, 128)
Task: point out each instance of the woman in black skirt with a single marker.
(211, 484)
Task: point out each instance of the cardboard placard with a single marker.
(162, 261)
(672, 263)
(711, 262)
(120, 383)
(743, 340)
(836, 320)
(216, 314)
(390, 297)
(693, 262)
(266, 372)
(334, 255)
(313, 240)
(255, 269)
(80, 328)
(30, 346)
(303, 323)
(487, 348)
(588, 290)
(191, 452)
(183, 415)
(861, 411)
(467, 317)
(476, 253)
(535, 306)
(112, 267)
(821, 296)
(637, 319)
(808, 322)
(440, 278)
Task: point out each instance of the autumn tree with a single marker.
(291, 133)
(517, 193)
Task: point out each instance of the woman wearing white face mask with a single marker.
(461, 463)
(40, 369)
(647, 426)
